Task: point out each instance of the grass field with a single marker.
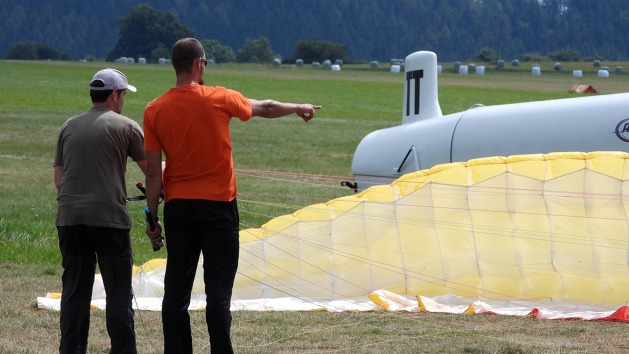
(283, 165)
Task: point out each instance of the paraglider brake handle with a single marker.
(142, 189)
(151, 221)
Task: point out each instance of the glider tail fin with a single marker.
(421, 99)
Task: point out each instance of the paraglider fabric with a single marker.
(542, 235)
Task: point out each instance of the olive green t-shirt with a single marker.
(93, 148)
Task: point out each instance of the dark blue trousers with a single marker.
(81, 247)
(193, 226)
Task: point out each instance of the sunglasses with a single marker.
(204, 60)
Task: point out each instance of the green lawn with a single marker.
(282, 166)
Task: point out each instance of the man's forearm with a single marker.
(153, 180)
(153, 191)
(57, 176)
(275, 109)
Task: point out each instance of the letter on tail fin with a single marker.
(421, 99)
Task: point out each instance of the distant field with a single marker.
(283, 165)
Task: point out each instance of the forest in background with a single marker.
(370, 29)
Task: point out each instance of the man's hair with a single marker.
(101, 95)
(185, 51)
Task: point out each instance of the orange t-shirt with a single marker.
(191, 125)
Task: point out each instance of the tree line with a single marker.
(148, 33)
(365, 30)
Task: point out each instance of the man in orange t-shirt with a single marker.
(190, 125)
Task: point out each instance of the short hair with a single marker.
(99, 95)
(185, 51)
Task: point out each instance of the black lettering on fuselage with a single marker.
(416, 74)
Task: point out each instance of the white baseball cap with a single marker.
(111, 79)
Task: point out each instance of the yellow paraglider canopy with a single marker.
(538, 229)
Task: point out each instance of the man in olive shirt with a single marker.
(92, 219)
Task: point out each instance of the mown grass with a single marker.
(283, 165)
(27, 330)
(37, 97)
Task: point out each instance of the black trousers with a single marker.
(193, 226)
(81, 247)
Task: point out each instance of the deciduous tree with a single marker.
(256, 51)
(220, 53)
(314, 50)
(146, 29)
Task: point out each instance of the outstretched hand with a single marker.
(307, 112)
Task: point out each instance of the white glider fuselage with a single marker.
(426, 138)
